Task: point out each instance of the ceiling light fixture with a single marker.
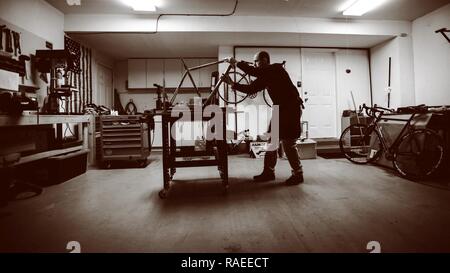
(141, 5)
(360, 7)
(73, 2)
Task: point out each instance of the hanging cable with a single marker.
(195, 14)
(167, 14)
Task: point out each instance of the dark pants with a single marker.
(288, 143)
(291, 151)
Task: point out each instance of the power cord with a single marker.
(171, 14)
(194, 14)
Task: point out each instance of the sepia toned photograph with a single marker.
(242, 128)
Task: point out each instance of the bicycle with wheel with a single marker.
(415, 153)
(229, 96)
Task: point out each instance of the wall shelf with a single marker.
(47, 154)
(6, 120)
(28, 88)
(169, 90)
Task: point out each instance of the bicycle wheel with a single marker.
(234, 96)
(267, 98)
(360, 144)
(418, 154)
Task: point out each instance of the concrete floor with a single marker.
(340, 208)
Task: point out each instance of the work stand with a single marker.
(216, 148)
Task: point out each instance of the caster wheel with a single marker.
(222, 175)
(225, 189)
(163, 194)
(142, 163)
(107, 165)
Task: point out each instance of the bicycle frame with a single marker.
(390, 149)
(187, 73)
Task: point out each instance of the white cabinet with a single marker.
(172, 72)
(143, 73)
(205, 73)
(137, 73)
(155, 72)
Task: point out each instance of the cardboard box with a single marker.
(307, 149)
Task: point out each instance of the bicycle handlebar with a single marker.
(373, 111)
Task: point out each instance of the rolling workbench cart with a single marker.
(124, 138)
(172, 156)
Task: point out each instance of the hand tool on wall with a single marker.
(1, 36)
(9, 47)
(16, 38)
(23, 59)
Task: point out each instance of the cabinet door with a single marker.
(172, 72)
(155, 72)
(137, 77)
(205, 73)
(195, 73)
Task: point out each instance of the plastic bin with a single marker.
(66, 167)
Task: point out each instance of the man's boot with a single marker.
(265, 176)
(295, 179)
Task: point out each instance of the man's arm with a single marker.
(248, 69)
(256, 86)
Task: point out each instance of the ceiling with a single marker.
(391, 10)
(205, 44)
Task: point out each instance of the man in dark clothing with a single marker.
(284, 94)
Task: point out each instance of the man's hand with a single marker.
(227, 79)
(232, 61)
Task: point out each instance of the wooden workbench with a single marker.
(218, 150)
(85, 133)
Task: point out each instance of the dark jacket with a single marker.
(282, 91)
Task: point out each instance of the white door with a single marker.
(319, 93)
(104, 86)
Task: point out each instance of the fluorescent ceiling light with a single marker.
(141, 5)
(73, 2)
(361, 7)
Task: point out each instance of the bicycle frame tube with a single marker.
(190, 77)
(397, 140)
(187, 72)
(382, 139)
(399, 137)
(216, 87)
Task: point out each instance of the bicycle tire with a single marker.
(362, 150)
(416, 161)
(242, 79)
(267, 98)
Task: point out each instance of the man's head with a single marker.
(262, 59)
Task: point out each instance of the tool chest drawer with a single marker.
(124, 138)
